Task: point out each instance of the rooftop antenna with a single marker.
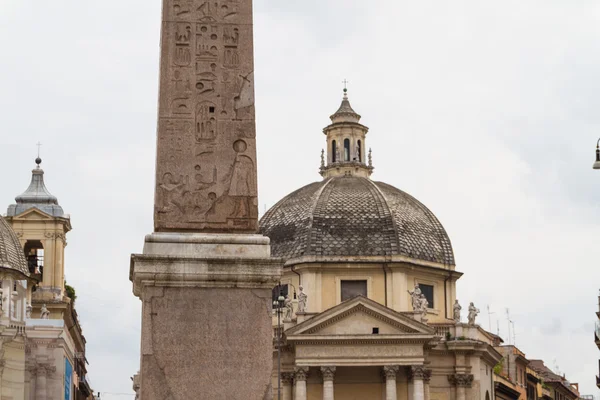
(509, 322)
(490, 317)
(498, 326)
(514, 333)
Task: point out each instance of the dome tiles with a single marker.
(354, 216)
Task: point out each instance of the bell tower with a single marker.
(41, 225)
(346, 147)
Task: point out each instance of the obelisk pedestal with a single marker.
(205, 275)
(206, 316)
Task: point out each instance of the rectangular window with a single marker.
(427, 290)
(351, 289)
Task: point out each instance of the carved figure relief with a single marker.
(244, 102)
(206, 121)
(206, 174)
(243, 181)
(172, 193)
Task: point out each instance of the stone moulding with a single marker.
(173, 271)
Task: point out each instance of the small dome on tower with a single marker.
(36, 196)
(345, 113)
(11, 253)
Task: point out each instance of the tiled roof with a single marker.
(354, 216)
(11, 253)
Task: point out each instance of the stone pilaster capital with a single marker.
(461, 380)
(390, 371)
(417, 372)
(328, 373)
(300, 373)
(287, 378)
(427, 376)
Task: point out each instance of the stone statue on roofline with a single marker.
(289, 308)
(302, 298)
(416, 298)
(45, 314)
(456, 310)
(473, 312)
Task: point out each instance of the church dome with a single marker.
(355, 216)
(11, 253)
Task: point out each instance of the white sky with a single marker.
(486, 111)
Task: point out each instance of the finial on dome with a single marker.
(345, 82)
(38, 160)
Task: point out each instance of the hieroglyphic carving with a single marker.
(206, 158)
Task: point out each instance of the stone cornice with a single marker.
(173, 271)
(358, 340)
(400, 262)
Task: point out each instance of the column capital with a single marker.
(287, 378)
(328, 373)
(390, 371)
(417, 372)
(427, 376)
(461, 380)
(300, 373)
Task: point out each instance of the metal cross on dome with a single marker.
(39, 145)
(345, 82)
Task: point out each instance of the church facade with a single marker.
(367, 301)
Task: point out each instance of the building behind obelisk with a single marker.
(205, 276)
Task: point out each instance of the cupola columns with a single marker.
(346, 144)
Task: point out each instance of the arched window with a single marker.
(333, 151)
(34, 253)
(346, 149)
(487, 395)
(359, 151)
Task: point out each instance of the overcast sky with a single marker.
(485, 111)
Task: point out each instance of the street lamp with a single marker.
(597, 163)
(278, 304)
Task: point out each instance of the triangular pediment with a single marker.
(359, 316)
(33, 214)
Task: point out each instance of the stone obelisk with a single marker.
(205, 275)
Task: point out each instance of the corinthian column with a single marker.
(462, 382)
(301, 373)
(286, 385)
(390, 372)
(426, 380)
(328, 373)
(40, 382)
(417, 373)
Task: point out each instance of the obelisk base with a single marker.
(206, 316)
